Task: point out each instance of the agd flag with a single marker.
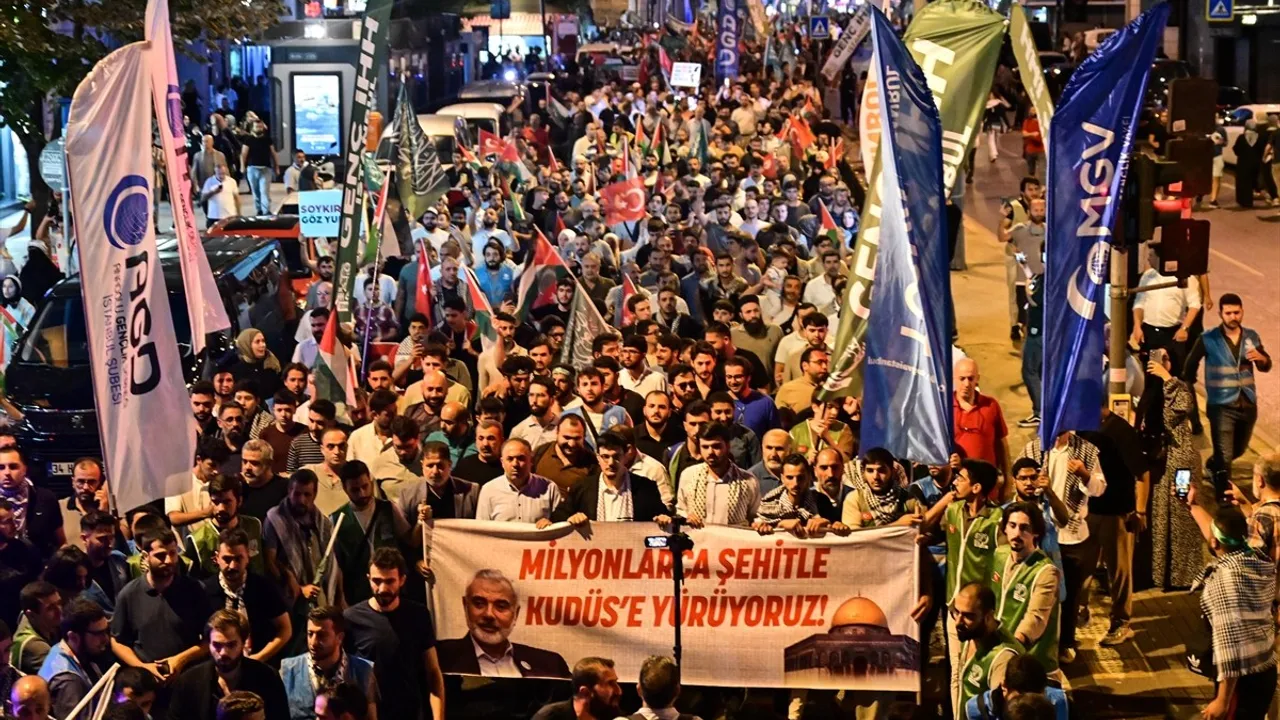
(906, 402)
(205, 312)
(1088, 155)
(138, 386)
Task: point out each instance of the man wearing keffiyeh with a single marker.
(793, 506)
(878, 499)
(325, 665)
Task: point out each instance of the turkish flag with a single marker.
(422, 295)
(628, 289)
(490, 144)
(509, 152)
(623, 201)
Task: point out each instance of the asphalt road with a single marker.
(1244, 259)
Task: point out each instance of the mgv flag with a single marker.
(373, 54)
(1088, 156)
(956, 44)
(138, 386)
(906, 401)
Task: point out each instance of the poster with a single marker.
(319, 213)
(317, 113)
(759, 611)
(686, 74)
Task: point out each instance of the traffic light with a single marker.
(1194, 156)
(1184, 248)
(1152, 175)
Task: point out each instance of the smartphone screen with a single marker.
(1182, 482)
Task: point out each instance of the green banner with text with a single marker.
(956, 43)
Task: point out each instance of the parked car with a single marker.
(1235, 124)
(488, 116)
(49, 378)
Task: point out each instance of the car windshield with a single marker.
(58, 337)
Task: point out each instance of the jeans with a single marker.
(1032, 366)
(1230, 427)
(259, 179)
(1033, 162)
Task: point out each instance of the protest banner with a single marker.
(319, 213)
(759, 610)
(686, 74)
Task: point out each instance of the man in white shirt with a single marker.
(293, 174)
(540, 427)
(635, 376)
(716, 492)
(221, 196)
(490, 231)
(371, 443)
(305, 352)
(821, 291)
(193, 505)
(1162, 317)
(518, 495)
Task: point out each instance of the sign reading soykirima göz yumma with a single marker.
(320, 213)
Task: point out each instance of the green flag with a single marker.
(956, 43)
(1024, 48)
(372, 65)
(420, 180)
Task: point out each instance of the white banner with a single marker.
(204, 307)
(854, 32)
(137, 374)
(759, 611)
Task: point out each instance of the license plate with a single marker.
(62, 468)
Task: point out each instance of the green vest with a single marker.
(23, 635)
(202, 545)
(975, 673)
(355, 545)
(970, 547)
(1012, 585)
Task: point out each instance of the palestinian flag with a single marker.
(517, 211)
(828, 228)
(642, 141)
(556, 109)
(481, 311)
(663, 151)
(470, 159)
(560, 226)
(420, 179)
(335, 377)
(538, 281)
(554, 165)
(628, 162)
(702, 152)
(664, 62)
(422, 294)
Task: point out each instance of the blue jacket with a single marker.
(296, 674)
(974, 711)
(118, 563)
(495, 285)
(1227, 375)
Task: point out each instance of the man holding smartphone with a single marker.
(221, 195)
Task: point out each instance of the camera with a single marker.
(675, 540)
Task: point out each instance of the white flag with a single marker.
(144, 417)
(204, 308)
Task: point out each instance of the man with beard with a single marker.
(263, 488)
(726, 284)
(495, 277)
(295, 382)
(751, 407)
(744, 444)
(193, 506)
(755, 335)
(406, 471)
(669, 315)
(399, 637)
(540, 427)
(294, 541)
(305, 448)
(793, 505)
(492, 609)
(565, 379)
(448, 287)
(282, 431)
(490, 234)
(797, 395)
(705, 361)
(716, 491)
(1025, 582)
(371, 444)
(828, 475)
(234, 432)
(159, 616)
(542, 354)
(590, 405)
(306, 350)
(878, 500)
(245, 591)
(513, 390)
(325, 665)
(324, 272)
(455, 430)
(691, 285)
(776, 446)
(364, 525)
(426, 414)
(635, 375)
(88, 494)
(614, 393)
(614, 494)
(597, 287)
(256, 416)
(196, 693)
(329, 495)
(486, 463)
(563, 304)
(567, 461)
(70, 668)
(658, 431)
(436, 358)
(225, 495)
(202, 400)
(683, 382)
(780, 310)
(986, 647)
(504, 324)
(108, 567)
(438, 495)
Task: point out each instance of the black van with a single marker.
(49, 378)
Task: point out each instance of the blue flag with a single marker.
(1089, 145)
(728, 32)
(907, 381)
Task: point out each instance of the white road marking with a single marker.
(1237, 263)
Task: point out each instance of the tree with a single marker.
(48, 46)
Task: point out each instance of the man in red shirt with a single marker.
(1032, 141)
(979, 422)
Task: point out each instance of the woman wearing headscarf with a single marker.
(256, 363)
(1248, 149)
(19, 312)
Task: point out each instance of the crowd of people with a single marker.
(287, 580)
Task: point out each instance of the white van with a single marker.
(446, 133)
(479, 116)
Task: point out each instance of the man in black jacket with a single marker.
(492, 608)
(197, 691)
(613, 494)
